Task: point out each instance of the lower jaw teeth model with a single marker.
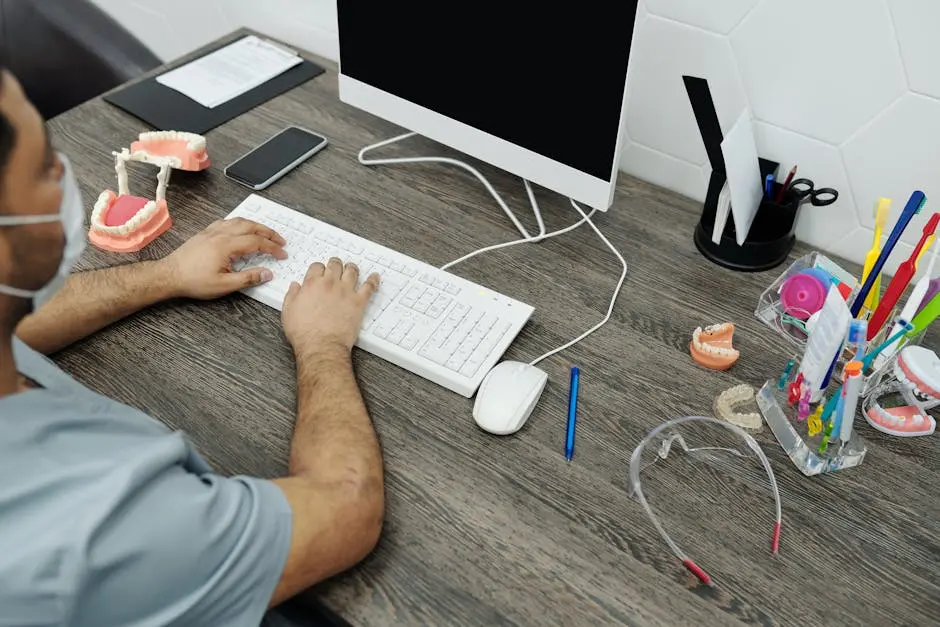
(900, 405)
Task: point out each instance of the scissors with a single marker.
(805, 188)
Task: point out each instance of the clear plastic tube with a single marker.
(636, 488)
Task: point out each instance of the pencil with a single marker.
(786, 184)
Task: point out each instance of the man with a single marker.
(106, 517)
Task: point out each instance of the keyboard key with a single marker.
(425, 301)
(400, 331)
(412, 295)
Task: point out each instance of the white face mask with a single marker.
(72, 215)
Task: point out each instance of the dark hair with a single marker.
(7, 134)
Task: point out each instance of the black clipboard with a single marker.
(168, 110)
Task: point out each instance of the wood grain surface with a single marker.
(501, 530)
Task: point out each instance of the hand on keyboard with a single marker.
(202, 267)
(430, 322)
(327, 309)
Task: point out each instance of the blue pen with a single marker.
(572, 412)
(769, 186)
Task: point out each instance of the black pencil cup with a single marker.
(770, 239)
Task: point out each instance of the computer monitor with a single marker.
(538, 90)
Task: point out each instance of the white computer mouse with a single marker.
(507, 397)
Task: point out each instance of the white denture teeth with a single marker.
(710, 348)
(193, 141)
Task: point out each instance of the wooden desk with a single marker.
(489, 530)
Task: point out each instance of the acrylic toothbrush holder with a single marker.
(794, 436)
(777, 311)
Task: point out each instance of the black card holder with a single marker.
(772, 234)
(166, 109)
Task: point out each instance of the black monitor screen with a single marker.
(546, 77)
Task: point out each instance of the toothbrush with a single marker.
(912, 305)
(881, 219)
(927, 247)
(908, 329)
(914, 205)
(900, 281)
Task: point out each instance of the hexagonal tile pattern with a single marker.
(895, 155)
(717, 17)
(821, 68)
(915, 22)
(664, 170)
(855, 244)
(820, 163)
(658, 110)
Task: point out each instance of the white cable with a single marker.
(468, 168)
(533, 240)
(526, 237)
(613, 299)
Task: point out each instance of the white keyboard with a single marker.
(427, 321)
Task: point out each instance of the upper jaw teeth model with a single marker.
(900, 405)
(124, 223)
(712, 346)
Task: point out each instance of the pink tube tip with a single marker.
(698, 572)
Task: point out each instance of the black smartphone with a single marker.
(276, 157)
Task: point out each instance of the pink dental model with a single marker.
(124, 223)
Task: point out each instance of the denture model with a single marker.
(124, 223)
(712, 347)
(900, 405)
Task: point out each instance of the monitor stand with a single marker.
(467, 167)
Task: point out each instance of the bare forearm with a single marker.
(334, 440)
(90, 301)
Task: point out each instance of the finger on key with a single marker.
(243, 245)
(335, 266)
(243, 226)
(351, 273)
(370, 286)
(315, 271)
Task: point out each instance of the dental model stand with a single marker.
(899, 406)
(125, 223)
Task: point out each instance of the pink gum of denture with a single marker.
(905, 415)
(193, 160)
(119, 210)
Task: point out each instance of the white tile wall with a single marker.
(846, 89)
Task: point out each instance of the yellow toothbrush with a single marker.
(881, 219)
(925, 249)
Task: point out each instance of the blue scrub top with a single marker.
(108, 518)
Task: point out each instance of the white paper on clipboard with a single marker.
(230, 71)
